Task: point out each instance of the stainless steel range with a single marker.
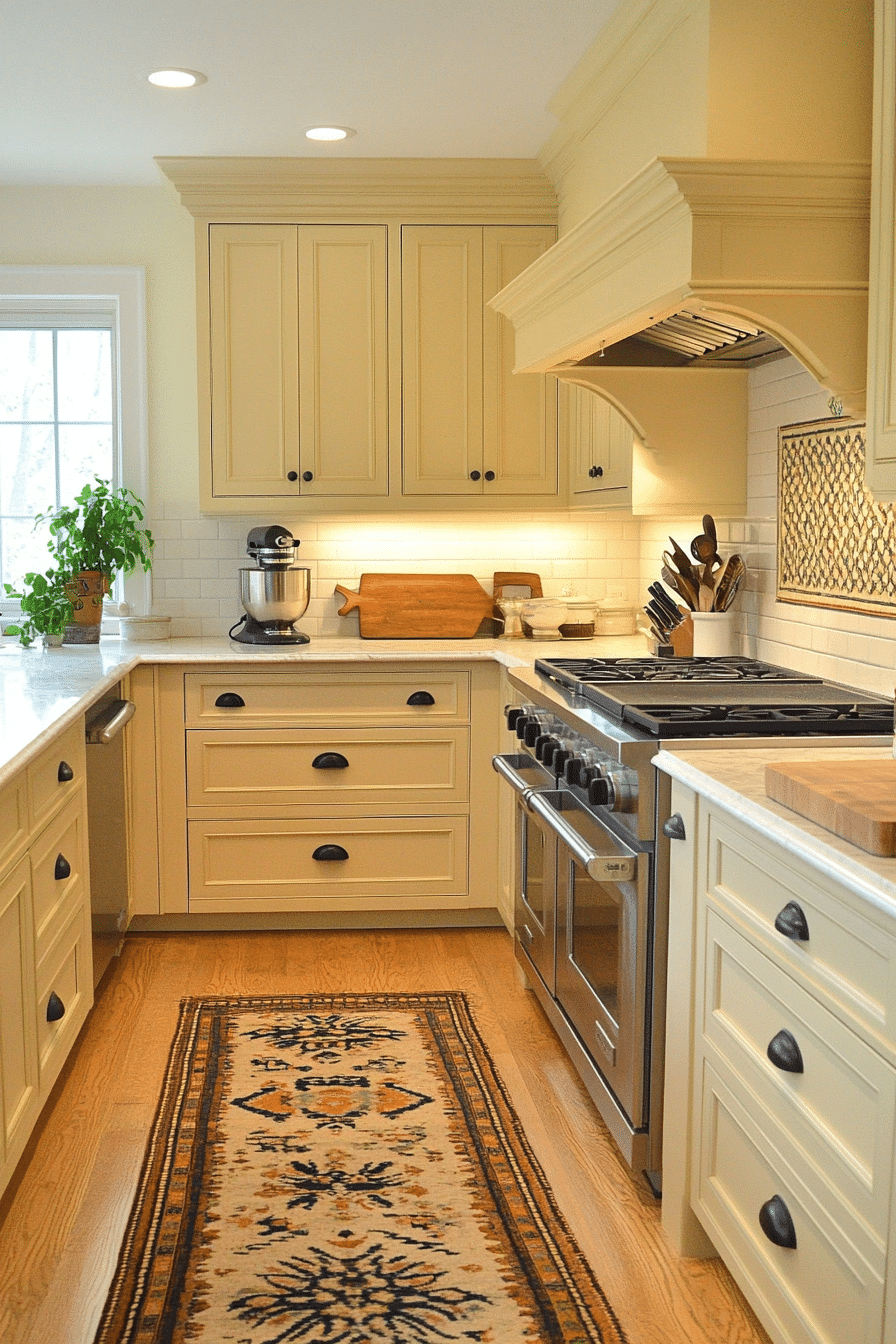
(593, 829)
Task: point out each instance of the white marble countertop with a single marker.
(42, 690)
(735, 781)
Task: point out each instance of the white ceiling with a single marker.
(427, 78)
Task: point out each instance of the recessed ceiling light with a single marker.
(329, 132)
(176, 79)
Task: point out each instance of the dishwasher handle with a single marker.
(613, 868)
(108, 723)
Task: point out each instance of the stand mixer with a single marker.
(275, 593)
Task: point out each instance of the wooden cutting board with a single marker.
(854, 799)
(420, 606)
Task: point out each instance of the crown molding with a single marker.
(271, 190)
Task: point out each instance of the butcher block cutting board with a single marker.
(854, 799)
(420, 606)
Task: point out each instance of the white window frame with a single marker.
(43, 293)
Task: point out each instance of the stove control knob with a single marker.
(513, 713)
(624, 788)
(522, 724)
(573, 769)
(544, 744)
(534, 730)
(559, 759)
(599, 792)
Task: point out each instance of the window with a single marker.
(72, 402)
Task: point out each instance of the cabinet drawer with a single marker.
(840, 1108)
(57, 870)
(56, 774)
(274, 699)
(19, 1101)
(251, 865)
(830, 1288)
(67, 974)
(848, 959)
(382, 767)
(13, 819)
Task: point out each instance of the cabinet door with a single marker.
(519, 410)
(600, 450)
(441, 278)
(19, 1102)
(881, 447)
(343, 385)
(253, 312)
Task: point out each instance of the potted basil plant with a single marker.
(94, 539)
(46, 607)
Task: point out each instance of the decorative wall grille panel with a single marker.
(836, 543)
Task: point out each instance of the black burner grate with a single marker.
(597, 671)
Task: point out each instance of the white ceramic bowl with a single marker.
(544, 616)
(144, 627)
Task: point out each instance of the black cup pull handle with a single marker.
(230, 700)
(329, 760)
(330, 854)
(65, 774)
(673, 827)
(421, 698)
(784, 1052)
(777, 1224)
(55, 1007)
(63, 868)
(792, 923)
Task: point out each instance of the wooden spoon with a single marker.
(679, 584)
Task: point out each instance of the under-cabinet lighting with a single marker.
(176, 79)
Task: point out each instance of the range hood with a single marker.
(695, 270)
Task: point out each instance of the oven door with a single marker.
(602, 956)
(534, 906)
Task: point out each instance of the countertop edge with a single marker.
(808, 845)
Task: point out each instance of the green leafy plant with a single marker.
(100, 531)
(45, 606)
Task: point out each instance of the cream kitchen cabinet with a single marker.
(781, 1110)
(298, 362)
(327, 790)
(46, 984)
(470, 425)
(880, 452)
(599, 452)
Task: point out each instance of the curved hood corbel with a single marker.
(774, 247)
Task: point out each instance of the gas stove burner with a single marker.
(758, 720)
(593, 671)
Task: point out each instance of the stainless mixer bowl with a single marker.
(275, 596)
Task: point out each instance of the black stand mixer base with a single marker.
(251, 633)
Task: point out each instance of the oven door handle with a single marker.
(508, 768)
(602, 867)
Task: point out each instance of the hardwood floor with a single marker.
(63, 1219)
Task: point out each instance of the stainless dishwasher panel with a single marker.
(107, 826)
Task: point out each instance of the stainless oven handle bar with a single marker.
(506, 768)
(602, 867)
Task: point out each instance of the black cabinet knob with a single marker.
(598, 471)
(292, 475)
(63, 868)
(489, 475)
(475, 475)
(330, 854)
(230, 700)
(421, 698)
(777, 1224)
(784, 1052)
(673, 827)
(65, 774)
(55, 1007)
(329, 760)
(307, 475)
(792, 923)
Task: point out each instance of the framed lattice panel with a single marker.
(836, 543)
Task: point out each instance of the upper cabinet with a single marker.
(348, 358)
(298, 355)
(880, 464)
(600, 451)
(470, 426)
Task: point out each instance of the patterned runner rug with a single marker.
(344, 1169)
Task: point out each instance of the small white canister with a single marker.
(614, 617)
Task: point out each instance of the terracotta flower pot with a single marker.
(85, 592)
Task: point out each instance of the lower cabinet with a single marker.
(328, 789)
(779, 1139)
(46, 981)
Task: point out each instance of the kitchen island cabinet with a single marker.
(780, 1117)
(46, 983)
